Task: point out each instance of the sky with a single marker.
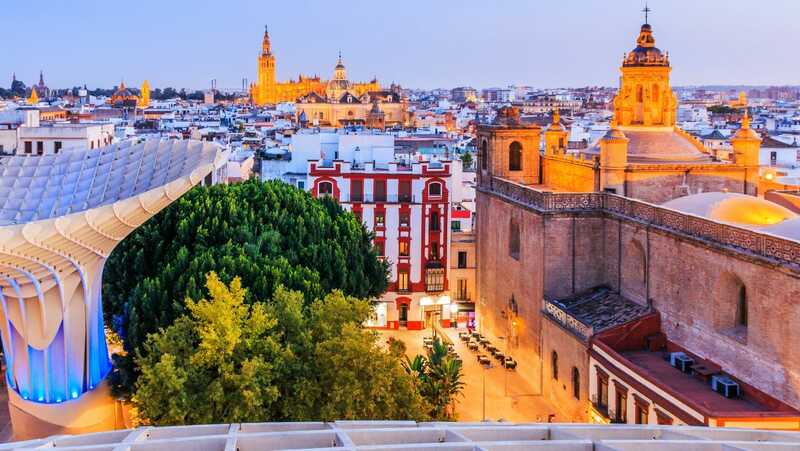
(416, 43)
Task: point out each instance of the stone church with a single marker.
(639, 280)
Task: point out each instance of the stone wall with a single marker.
(690, 270)
(567, 173)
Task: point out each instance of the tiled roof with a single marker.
(601, 308)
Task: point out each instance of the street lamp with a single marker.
(483, 406)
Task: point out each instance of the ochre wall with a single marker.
(690, 283)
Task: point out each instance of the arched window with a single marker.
(325, 189)
(733, 317)
(515, 156)
(554, 363)
(435, 189)
(576, 383)
(484, 155)
(639, 94)
(741, 307)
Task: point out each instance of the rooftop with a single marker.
(600, 308)
(409, 435)
(658, 146)
(653, 366)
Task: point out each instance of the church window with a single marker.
(554, 363)
(741, 307)
(576, 383)
(513, 240)
(484, 155)
(515, 156)
(435, 189)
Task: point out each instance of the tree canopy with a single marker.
(229, 361)
(268, 234)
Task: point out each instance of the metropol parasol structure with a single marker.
(60, 217)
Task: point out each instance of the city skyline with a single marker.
(521, 43)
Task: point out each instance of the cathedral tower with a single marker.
(509, 149)
(264, 90)
(645, 97)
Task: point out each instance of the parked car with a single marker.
(485, 342)
(510, 363)
(463, 336)
(491, 349)
(500, 357)
(483, 359)
(473, 345)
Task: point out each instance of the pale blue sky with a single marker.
(428, 43)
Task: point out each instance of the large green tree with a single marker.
(268, 234)
(229, 361)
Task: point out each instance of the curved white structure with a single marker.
(408, 435)
(61, 216)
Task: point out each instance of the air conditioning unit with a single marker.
(725, 386)
(681, 361)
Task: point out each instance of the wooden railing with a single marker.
(738, 238)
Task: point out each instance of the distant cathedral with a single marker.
(267, 90)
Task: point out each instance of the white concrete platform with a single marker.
(408, 435)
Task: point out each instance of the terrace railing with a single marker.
(738, 238)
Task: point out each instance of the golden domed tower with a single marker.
(645, 97)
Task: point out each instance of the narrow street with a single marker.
(508, 396)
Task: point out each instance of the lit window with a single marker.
(403, 248)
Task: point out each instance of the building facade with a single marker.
(552, 226)
(407, 206)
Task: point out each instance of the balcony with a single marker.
(560, 315)
(370, 198)
(434, 277)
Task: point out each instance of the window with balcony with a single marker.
(462, 290)
(404, 220)
(434, 277)
(380, 190)
(380, 218)
(621, 403)
(462, 259)
(434, 251)
(642, 410)
(402, 280)
(601, 398)
(404, 191)
(434, 221)
(356, 191)
(380, 247)
(403, 248)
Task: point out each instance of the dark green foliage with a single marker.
(268, 234)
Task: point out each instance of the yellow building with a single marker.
(267, 90)
(645, 96)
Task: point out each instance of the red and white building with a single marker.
(406, 201)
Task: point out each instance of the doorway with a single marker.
(403, 315)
